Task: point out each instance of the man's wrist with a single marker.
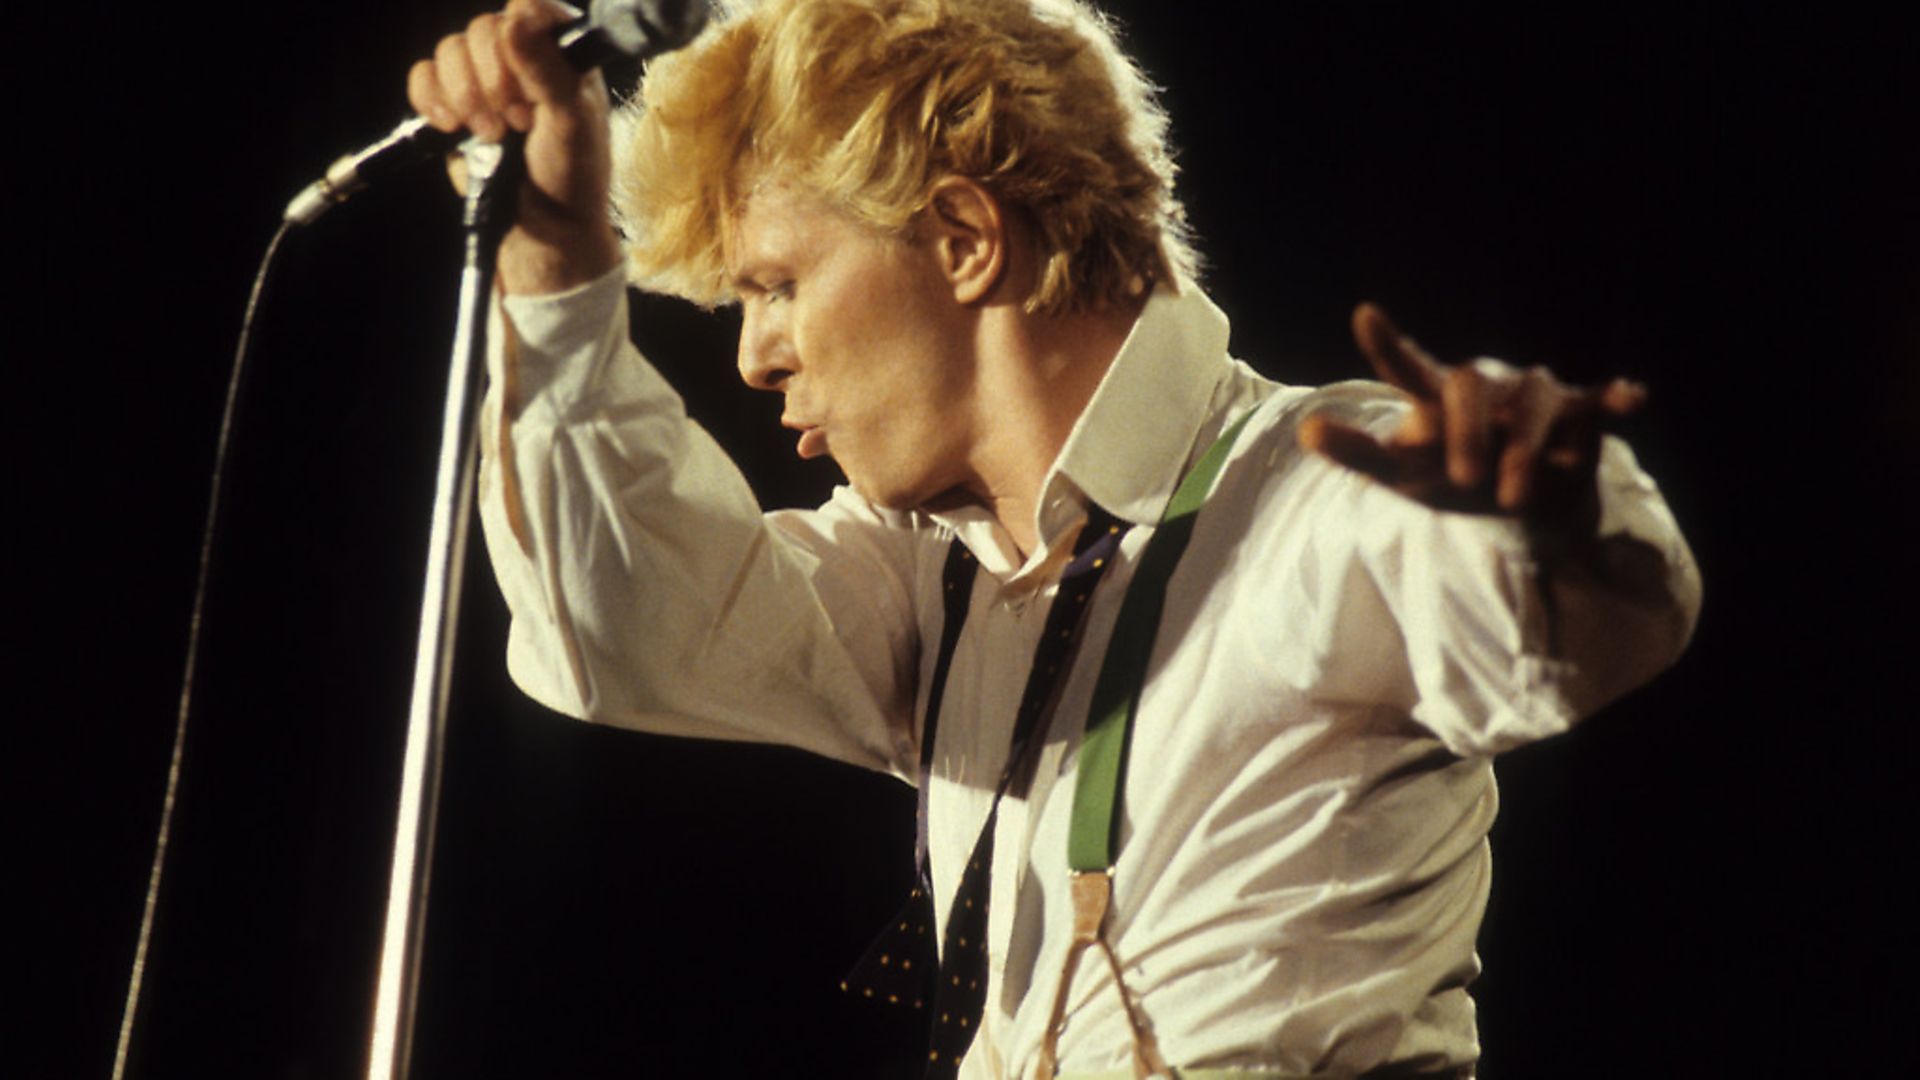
(534, 266)
(1566, 528)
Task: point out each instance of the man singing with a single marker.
(1204, 792)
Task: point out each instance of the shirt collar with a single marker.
(1132, 442)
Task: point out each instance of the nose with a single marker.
(766, 361)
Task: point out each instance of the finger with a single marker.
(1424, 427)
(535, 57)
(495, 82)
(1397, 359)
(457, 171)
(424, 94)
(1539, 403)
(454, 66)
(1351, 447)
(1622, 397)
(1466, 400)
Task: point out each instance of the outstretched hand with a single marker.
(1481, 437)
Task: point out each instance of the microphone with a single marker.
(612, 29)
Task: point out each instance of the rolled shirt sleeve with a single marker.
(1462, 619)
(647, 588)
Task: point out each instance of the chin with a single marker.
(886, 498)
(890, 493)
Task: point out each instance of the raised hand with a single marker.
(1481, 437)
(505, 72)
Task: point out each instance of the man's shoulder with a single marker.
(1278, 483)
(1356, 401)
(848, 523)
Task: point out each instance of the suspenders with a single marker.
(1101, 772)
(1094, 836)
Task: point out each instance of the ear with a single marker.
(967, 229)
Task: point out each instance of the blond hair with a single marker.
(868, 103)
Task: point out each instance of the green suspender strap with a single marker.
(1103, 750)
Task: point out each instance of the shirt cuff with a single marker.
(558, 343)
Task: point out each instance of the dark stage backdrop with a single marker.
(1715, 198)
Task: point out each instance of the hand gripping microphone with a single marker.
(612, 29)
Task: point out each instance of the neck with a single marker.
(1037, 374)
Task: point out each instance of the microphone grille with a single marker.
(643, 28)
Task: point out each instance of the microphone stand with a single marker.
(494, 172)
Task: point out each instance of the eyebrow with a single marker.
(750, 271)
(745, 283)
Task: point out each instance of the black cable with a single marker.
(194, 621)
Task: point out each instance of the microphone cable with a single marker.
(222, 447)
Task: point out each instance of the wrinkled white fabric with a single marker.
(1304, 863)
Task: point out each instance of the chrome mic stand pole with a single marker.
(493, 174)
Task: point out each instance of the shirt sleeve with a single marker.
(647, 589)
(1463, 620)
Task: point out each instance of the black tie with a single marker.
(895, 967)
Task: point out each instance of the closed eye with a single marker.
(750, 290)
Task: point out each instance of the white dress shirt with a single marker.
(1303, 863)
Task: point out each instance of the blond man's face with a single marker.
(862, 334)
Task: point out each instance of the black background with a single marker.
(1705, 880)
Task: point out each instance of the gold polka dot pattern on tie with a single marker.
(961, 999)
(961, 987)
(888, 970)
